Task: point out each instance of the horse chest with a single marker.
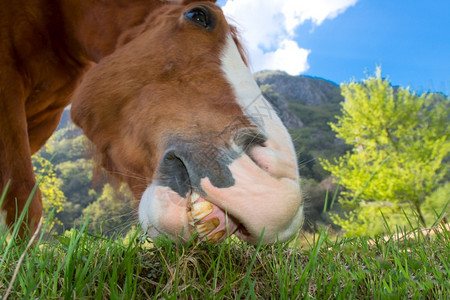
(51, 80)
(46, 101)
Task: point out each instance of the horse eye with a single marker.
(199, 16)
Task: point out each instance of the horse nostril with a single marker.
(263, 157)
(248, 138)
(254, 144)
(172, 172)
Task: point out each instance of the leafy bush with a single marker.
(400, 142)
(112, 212)
(50, 185)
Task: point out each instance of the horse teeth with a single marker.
(202, 231)
(194, 197)
(197, 211)
(201, 210)
(216, 236)
(207, 226)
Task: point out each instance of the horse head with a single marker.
(176, 114)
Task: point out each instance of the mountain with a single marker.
(311, 91)
(298, 99)
(306, 105)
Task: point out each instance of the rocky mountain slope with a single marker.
(282, 89)
(306, 90)
(306, 105)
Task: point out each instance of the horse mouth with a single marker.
(194, 198)
(205, 218)
(210, 221)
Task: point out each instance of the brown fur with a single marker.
(46, 48)
(154, 93)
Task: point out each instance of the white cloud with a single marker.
(288, 57)
(268, 29)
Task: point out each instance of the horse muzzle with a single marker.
(247, 189)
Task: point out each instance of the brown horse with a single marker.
(163, 91)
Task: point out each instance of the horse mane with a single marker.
(236, 38)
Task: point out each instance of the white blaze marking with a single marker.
(247, 92)
(258, 109)
(239, 75)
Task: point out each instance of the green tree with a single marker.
(66, 144)
(50, 184)
(400, 142)
(112, 212)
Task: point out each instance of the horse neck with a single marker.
(92, 28)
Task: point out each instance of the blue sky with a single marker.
(344, 39)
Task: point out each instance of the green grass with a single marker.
(80, 265)
(85, 266)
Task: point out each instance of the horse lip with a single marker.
(175, 171)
